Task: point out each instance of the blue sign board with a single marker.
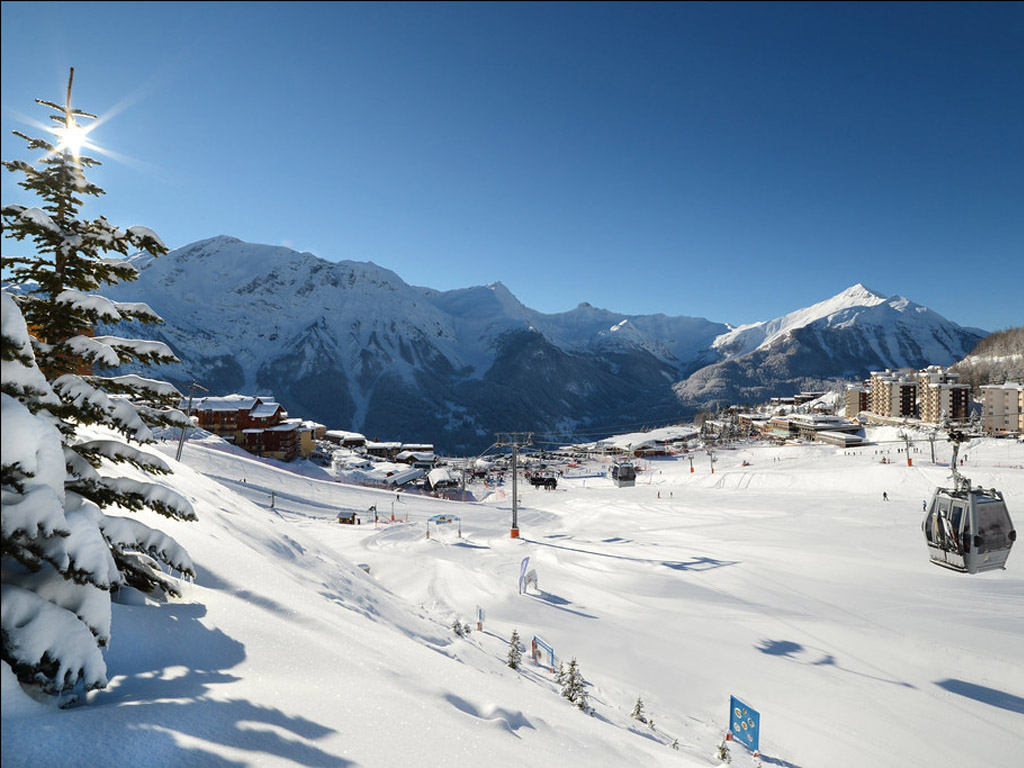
(744, 724)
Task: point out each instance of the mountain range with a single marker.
(351, 345)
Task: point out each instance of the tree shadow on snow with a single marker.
(164, 671)
(794, 652)
(985, 695)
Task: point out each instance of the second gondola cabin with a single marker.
(968, 529)
(623, 474)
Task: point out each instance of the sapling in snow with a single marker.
(723, 751)
(574, 687)
(638, 711)
(515, 653)
(460, 629)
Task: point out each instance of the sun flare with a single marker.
(72, 138)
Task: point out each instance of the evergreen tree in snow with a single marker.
(574, 687)
(562, 675)
(638, 711)
(515, 653)
(62, 554)
(723, 751)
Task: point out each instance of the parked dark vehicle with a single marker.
(544, 481)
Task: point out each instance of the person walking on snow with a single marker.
(885, 496)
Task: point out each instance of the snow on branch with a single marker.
(115, 262)
(133, 494)
(138, 310)
(33, 464)
(125, 535)
(33, 524)
(138, 386)
(96, 407)
(48, 645)
(21, 377)
(146, 238)
(136, 349)
(39, 218)
(93, 350)
(118, 452)
(103, 308)
(80, 468)
(163, 417)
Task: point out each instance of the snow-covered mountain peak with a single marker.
(747, 338)
(861, 293)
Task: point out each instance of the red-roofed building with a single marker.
(257, 424)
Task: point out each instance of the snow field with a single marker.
(788, 583)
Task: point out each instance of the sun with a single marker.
(72, 137)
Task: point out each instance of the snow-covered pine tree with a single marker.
(568, 675)
(723, 751)
(562, 675)
(638, 711)
(582, 701)
(574, 687)
(515, 653)
(56, 580)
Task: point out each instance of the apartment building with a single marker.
(893, 394)
(857, 400)
(940, 395)
(1003, 409)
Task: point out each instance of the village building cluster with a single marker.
(933, 395)
(261, 426)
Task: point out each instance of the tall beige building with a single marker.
(941, 396)
(857, 400)
(893, 394)
(1003, 409)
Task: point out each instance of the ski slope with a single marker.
(788, 583)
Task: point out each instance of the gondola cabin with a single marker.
(968, 529)
(623, 474)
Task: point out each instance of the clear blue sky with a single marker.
(727, 160)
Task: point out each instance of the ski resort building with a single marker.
(816, 427)
(1003, 409)
(940, 395)
(345, 439)
(260, 425)
(281, 441)
(893, 394)
(383, 450)
(231, 415)
(857, 396)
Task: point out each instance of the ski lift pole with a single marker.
(906, 440)
(516, 440)
(188, 416)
